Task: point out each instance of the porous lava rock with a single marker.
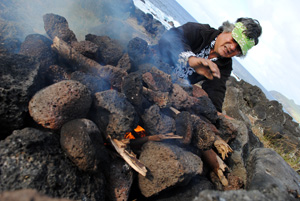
(56, 73)
(109, 51)
(180, 99)
(203, 136)
(56, 25)
(59, 103)
(39, 46)
(156, 122)
(27, 195)
(158, 81)
(31, 158)
(86, 48)
(113, 114)
(138, 51)
(82, 142)
(93, 83)
(120, 178)
(124, 63)
(168, 165)
(19, 81)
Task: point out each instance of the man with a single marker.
(198, 52)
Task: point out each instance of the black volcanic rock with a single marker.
(56, 25)
(138, 51)
(59, 103)
(92, 82)
(83, 143)
(9, 45)
(113, 114)
(19, 80)
(153, 26)
(249, 104)
(269, 173)
(30, 158)
(169, 165)
(39, 47)
(109, 51)
(27, 195)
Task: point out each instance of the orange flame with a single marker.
(140, 131)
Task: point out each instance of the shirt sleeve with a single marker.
(181, 39)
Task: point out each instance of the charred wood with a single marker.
(110, 73)
(216, 164)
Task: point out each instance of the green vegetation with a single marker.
(283, 146)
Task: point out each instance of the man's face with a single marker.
(226, 46)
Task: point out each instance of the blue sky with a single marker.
(273, 62)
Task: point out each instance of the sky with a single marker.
(273, 62)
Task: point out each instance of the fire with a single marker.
(129, 135)
(140, 131)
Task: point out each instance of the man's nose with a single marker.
(234, 47)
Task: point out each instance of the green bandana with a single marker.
(244, 42)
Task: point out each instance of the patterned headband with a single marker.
(244, 42)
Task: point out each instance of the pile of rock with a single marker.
(73, 102)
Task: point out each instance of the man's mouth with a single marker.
(226, 50)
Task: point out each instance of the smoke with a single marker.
(19, 18)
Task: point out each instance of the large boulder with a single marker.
(269, 173)
(269, 178)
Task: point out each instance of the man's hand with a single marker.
(205, 67)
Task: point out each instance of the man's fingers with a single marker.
(205, 67)
(215, 70)
(204, 63)
(207, 74)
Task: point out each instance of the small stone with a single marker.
(82, 142)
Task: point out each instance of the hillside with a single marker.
(241, 73)
(289, 105)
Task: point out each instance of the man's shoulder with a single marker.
(197, 25)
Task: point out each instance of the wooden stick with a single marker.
(222, 147)
(174, 110)
(216, 164)
(130, 158)
(109, 73)
(159, 137)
